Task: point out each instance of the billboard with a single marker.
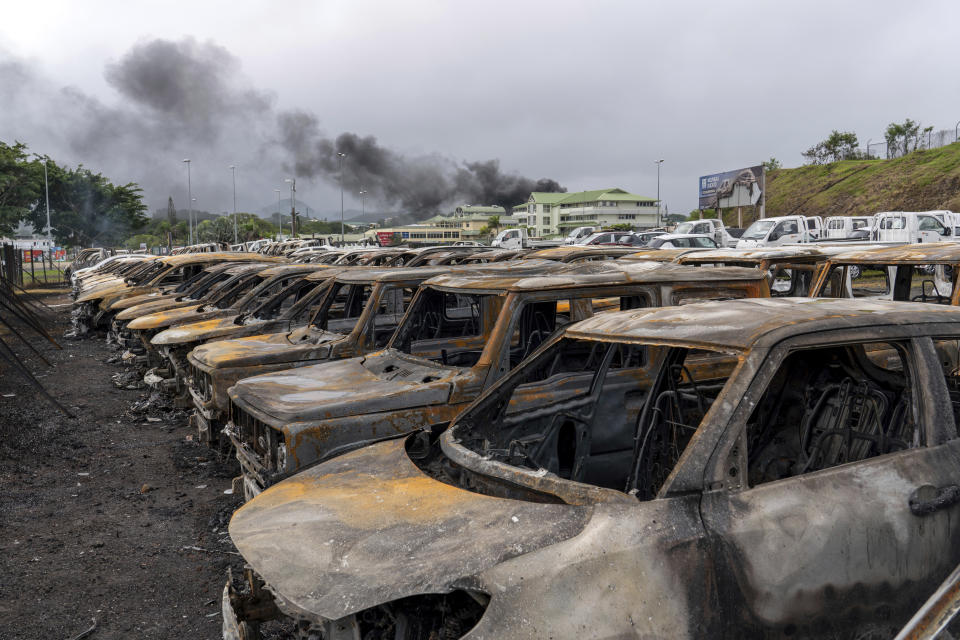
(737, 188)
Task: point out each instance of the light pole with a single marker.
(341, 155)
(189, 201)
(279, 224)
(363, 203)
(658, 163)
(236, 234)
(46, 187)
(293, 204)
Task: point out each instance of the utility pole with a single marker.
(363, 203)
(46, 187)
(293, 206)
(236, 234)
(189, 201)
(279, 224)
(341, 155)
(658, 163)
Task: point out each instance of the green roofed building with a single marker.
(549, 214)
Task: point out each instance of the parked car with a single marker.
(682, 241)
(735, 469)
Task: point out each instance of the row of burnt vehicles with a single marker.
(574, 442)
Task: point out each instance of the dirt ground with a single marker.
(116, 516)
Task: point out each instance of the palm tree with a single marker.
(494, 222)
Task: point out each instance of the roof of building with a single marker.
(740, 325)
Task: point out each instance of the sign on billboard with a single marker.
(737, 188)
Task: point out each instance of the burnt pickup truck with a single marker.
(358, 314)
(733, 469)
(460, 335)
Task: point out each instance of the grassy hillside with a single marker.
(920, 181)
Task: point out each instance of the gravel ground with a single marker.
(116, 515)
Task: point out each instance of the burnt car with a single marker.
(358, 313)
(743, 468)
(924, 272)
(286, 298)
(460, 335)
(579, 253)
(792, 269)
(156, 275)
(208, 287)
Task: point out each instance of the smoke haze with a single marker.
(187, 98)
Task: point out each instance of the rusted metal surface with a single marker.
(320, 410)
(834, 546)
(657, 255)
(577, 253)
(923, 253)
(937, 613)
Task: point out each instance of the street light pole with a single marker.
(236, 234)
(189, 201)
(341, 155)
(363, 203)
(293, 204)
(279, 224)
(658, 163)
(46, 187)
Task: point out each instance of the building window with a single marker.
(544, 220)
(546, 208)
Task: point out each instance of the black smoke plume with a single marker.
(188, 98)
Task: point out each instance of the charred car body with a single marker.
(358, 314)
(924, 272)
(459, 336)
(156, 275)
(750, 468)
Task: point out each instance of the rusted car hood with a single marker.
(181, 315)
(157, 304)
(103, 291)
(263, 349)
(369, 527)
(132, 301)
(344, 388)
(199, 331)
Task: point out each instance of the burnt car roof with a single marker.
(659, 255)
(740, 325)
(924, 253)
(559, 253)
(285, 269)
(594, 274)
(395, 274)
(755, 255)
(210, 256)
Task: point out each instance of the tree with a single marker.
(772, 164)
(622, 226)
(900, 135)
(171, 212)
(21, 181)
(839, 145)
(493, 222)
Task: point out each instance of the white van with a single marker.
(846, 227)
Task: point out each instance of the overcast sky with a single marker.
(586, 93)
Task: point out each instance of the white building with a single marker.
(556, 213)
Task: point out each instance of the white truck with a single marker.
(914, 226)
(847, 227)
(773, 232)
(711, 227)
(517, 238)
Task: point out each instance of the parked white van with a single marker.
(847, 227)
(911, 227)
